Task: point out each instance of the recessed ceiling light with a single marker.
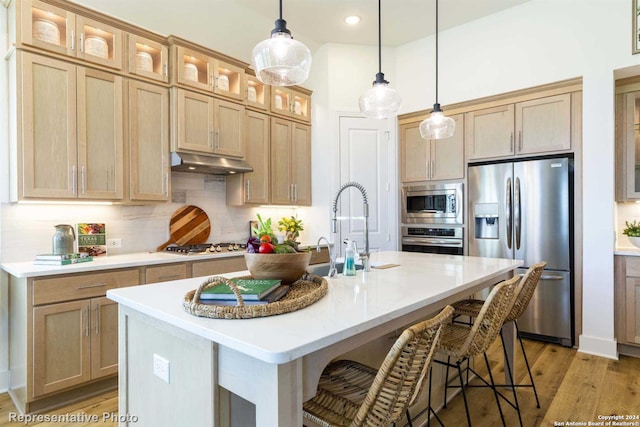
(352, 20)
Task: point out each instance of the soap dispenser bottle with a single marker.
(349, 259)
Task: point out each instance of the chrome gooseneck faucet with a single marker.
(365, 210)
(332, 258)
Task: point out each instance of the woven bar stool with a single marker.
(528, 285)
(462, 342)
(352, 394)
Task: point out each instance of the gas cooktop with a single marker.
(206, 248)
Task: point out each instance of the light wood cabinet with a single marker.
(429, 160)
(148, 114)
(291, 102)
(628, 146)
(535, 126)
(206, 70)
(147, 58)
(74, 328)
(208, 125)
(71, 134)
(218, 266)
(627, 300)
(55, 29)
(252, 188)
(290, 162)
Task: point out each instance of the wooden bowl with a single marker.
(286, 267)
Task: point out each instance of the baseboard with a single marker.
(4, 381)
(599, 347)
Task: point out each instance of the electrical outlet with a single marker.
(161, 368)
(114, 243)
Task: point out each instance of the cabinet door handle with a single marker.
(213, 82)
(433, 169)
(81, 47)
(166, 184)
(291, 192)
(428, 164)
(218, 132)
(519, 140)
(165, 67)
(83, 179)
(73, 40)
(169, 276)
(97, 319)
(74, 178)
(211, 138)
(295, 192)
(86, 321)
(511, 142)
(97, 285)
(248, 189)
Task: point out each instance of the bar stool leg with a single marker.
(464, 395)
(495, 391)
(526, 361)
(512, 380)
(446, 381)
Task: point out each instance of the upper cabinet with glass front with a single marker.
(257, 94)
(628, 146)
(198, 68)
(147, 58)
(55, 29)
(293, 102)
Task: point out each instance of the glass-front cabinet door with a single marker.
(54, 29)
(628, 146)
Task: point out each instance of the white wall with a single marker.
(4, 157)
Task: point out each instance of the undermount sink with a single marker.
(323, 269)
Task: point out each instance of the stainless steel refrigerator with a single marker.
(524, 210)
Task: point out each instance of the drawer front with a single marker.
(78, 286)
(218, 266)
(633, 266)
(165, 273)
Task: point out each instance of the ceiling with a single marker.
(235, 26)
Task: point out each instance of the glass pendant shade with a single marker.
(380, 101)
(437, 126)
(280, 60)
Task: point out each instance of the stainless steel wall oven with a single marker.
(432, 239)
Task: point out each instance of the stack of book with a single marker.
(63, 259)
(254, 291)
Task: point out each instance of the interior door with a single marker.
(367, 156)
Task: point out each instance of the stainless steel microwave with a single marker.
(432, 204)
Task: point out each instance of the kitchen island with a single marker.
(274, 362)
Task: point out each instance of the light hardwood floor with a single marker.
(572, 387)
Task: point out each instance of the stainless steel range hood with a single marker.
(208, 164)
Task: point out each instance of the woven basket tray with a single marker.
(305, 291)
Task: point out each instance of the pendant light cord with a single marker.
(281, 10)
(379, 38)
(436, 51)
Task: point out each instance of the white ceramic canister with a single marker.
(191, 72)
(278, 101)
(46, 31)
(223, 82)
(144, 61)
(252, 96)
(96, 46)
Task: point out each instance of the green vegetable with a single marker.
(284, 249)
(264, 228)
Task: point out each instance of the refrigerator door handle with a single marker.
(517, 211)
(545, 277)
(508, 208)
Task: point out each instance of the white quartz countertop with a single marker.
(351, 305)
(629, 251)
(29, 269)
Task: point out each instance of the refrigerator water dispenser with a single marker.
(487, 220)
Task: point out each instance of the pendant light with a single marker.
(380, 101)
(280, 60)
(438, 126)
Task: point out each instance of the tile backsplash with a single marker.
(26, 229)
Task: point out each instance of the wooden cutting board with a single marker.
(189, 225)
